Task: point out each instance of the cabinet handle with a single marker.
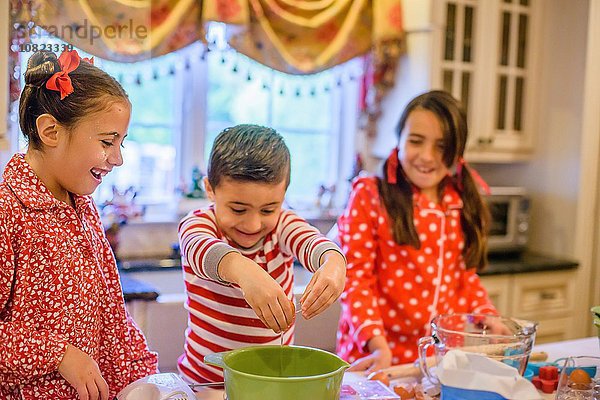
(547, 295)
(485, 141)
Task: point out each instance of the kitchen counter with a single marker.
(526, 262)
(134, 289)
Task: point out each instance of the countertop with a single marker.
(134, 289)
(498, 264)
(526, 262)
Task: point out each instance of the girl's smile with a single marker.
(421, 150)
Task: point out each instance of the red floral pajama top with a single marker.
(59, 285)
(395, 290)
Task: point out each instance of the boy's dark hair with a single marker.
(249, 153)
(397, 198)
(91, 88)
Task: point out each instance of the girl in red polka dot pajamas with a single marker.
(414, 239)
(64, 330)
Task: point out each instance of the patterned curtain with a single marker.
(292, 36)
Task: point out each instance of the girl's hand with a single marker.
(82, 372)
(380, 357)
(261, 291)
(325, 286)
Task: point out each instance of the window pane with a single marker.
(231, 97)
(148, 106)
(505, 38)
(519, 100)
(521, 51)
(450, 31)
(465, 89)
(310, 165)
(500, 124)
(297, 109)
(447, 80)
(468, 34)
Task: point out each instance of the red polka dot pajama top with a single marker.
(65, 289)
(395, 290)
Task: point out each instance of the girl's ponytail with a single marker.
(396, 194)
(475, 219)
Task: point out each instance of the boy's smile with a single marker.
(246, 211)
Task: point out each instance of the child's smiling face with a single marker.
(421, 151)
(75, 160)
(246, 211)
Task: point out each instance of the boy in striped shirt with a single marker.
(238, 254)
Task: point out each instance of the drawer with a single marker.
(554, 330)
(543, 295)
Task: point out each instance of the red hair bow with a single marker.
(60, 81)
(392, 167)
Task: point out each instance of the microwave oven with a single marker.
(510, 212)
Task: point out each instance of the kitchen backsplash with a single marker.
(147, 240)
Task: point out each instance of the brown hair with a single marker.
(92, 87)
(249, 153)
(397, 198)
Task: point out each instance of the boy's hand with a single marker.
(325, 286)
(82, 372)
(261, 291)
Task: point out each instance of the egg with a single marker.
(580, 379)
(379, 376)
(404, 393)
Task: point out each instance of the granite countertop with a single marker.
(526, 262)
(137, 290)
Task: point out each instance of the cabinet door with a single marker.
(498, 288)
(513, 76)
(543, 295)
(554, 330)
(484, 58)
(455, 57)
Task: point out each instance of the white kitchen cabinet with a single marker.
(481, 51)
(4, 21)
(545, 297)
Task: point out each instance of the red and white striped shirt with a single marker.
(220, 319)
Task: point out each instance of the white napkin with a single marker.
(157, 387)
(477, 372)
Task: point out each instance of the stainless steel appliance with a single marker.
(510, 211)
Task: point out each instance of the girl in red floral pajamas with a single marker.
(414, 239)
(64, 329)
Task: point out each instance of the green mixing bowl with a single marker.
(280, 373)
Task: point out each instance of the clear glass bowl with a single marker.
(579, 379)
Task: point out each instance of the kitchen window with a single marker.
(182, 100)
